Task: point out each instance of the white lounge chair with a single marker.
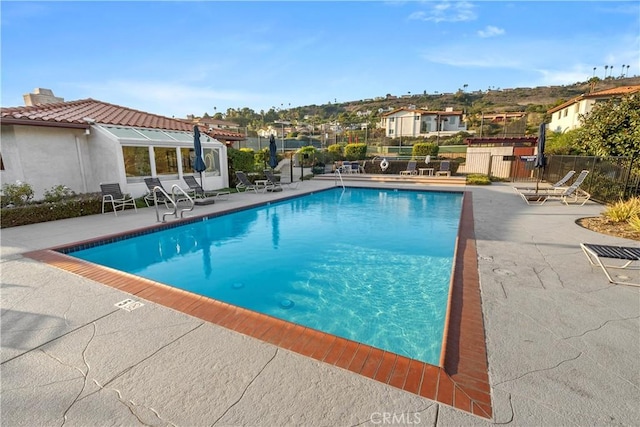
(244, 184)
(111, 193)
(573, 193)
(555, 186)
(629, 254)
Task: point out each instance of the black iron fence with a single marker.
(610, 178)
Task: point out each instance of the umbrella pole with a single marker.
(201, 182)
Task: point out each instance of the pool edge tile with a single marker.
(467, 388)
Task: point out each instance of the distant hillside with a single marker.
(495, 100)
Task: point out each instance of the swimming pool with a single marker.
(369, 265)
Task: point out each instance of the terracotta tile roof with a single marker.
(608, 93)
(73, 114)
(621, 90)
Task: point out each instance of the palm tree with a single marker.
(622, 72)
(594, 71)
(628, 70)
(606, 67)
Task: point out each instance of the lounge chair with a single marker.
(111, 193)
(244, 184)
(199, 192)
(629, 254)
(160, 196)
(274, 182)
(411, 168)
(345, 167)
(445, 168)
(555, 186)
(355, 167)
(573, 192)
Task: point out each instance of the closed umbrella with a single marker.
(198, 164)
(540, 162)
(273, 158)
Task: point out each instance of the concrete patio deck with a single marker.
(562, 343)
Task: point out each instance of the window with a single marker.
(417, 118)
(390, 131)
(392, 119)
(154, 134)
(136, 161)
(166, 160)
(188, 156)
(124, 132)
(566, 111)
(212, 160)
(452, 120)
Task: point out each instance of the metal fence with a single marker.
(610, 178)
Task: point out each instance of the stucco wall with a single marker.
(44, 157)
(48, 156)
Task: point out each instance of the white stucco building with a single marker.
(411, 122)
(568, 116)
(83, 143)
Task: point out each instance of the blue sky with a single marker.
(179, 58)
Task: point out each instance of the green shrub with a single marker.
(310, 152)
(241, 160)
(635, 223)
(478, 179)
(17, 194)
(355, 151)
(86, 204)
(336, 151)
(58, 193)
(423, 149)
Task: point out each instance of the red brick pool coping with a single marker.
(462, 382)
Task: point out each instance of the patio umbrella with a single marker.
(540, 161)
(273, 158)
(198, 164)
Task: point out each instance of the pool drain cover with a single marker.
(286, 303)
(129, 304)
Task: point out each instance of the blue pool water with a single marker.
(369, 265)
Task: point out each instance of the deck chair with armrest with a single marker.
(573, 193)
(273, 181)
(411, 168)
(626, 254)
(154, 182)
(244, 184)
(111, 193)
(445, 168)
(557, 186)
(200, 193)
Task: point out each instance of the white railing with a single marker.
(338, 175)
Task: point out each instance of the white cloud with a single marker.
(446, 12)
(490, 31)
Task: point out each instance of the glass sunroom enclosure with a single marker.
(167, 154)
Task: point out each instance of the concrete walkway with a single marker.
(563, 345)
